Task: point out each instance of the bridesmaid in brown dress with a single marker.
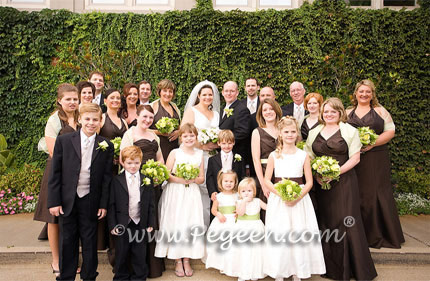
(263, 142)
(378, 208)
(345, 253)
(312, 104)
(64, 120)
(147, 141)
(164, 107)
(129, 103)
(112, 126)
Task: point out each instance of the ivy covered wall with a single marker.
(326, 45)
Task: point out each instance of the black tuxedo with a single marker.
(102, 103)
(288, 110)
(238, 123)
(79, 220)
(118, 215)
(252, 125)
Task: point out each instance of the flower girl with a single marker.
(224, 210)
(292, 245)
(245, 258)
(181, 206)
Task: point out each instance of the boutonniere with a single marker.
(146, 181)
(228, 111)
(103, 145)
(237, 157)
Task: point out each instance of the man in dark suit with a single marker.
(98, 79)
(131, 213)
(296, 109)
(78, 192)
(235, 117)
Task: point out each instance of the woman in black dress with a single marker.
(64, 120)
(148, 142)
(378, 208)
(164, 107)
(312, 104)
(345, 253)
(129, 103)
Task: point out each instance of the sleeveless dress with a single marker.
(378, 208)
(181, 215)
(267, 145)
(301, 258)
(155, 265)
(215, 256)
(202, 122)
(339, 209)
(110, 130)
(305, 129)
(165, 145)
(42, 212)
(245, 258)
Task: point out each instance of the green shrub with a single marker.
(7, 158)
(412, 181)
(26, 179)
(412, 204)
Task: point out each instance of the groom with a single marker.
(235, 117)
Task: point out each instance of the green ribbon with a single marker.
(249, 217)
(225, 210)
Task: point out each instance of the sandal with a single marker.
(55, 271)
(188, 273)
(179, 273)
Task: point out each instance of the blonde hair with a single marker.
(248, 181)
(275, 106)
(188, 128)
(220, 176)
(90, 108)
(285, 122)
(337, 105)
(366, 82)
(226, 135)
(131, 152)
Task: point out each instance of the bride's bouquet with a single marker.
(209, 135)
(187, 172)
(156, 171)
(327, 168)
(116, 146)
(367, 136)
(288, 190)
(167, 125)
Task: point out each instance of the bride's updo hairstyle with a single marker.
(285, 122)
(200, 91)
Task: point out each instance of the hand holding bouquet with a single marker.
(288, 190)
(156, 171)
(327, 169)
(209, 136)
(367, 136)
(187, 172)
(167, 125)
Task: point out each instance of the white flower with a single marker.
(237, 157)
(103, 145)
(146, 181)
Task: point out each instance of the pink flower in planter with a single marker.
(20, 203)
(13, 212)
(1, 195)
(9, 191)
(20, 208)
(6, 212)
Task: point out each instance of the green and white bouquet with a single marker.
(167, 125)
(187, 171)
(209, 135)
(367, 136)
(327, 168)
(156, 171)
(116, 146)
(288, 190)
(301, 144)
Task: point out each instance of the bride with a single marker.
(202, 110)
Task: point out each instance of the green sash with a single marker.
(225, 210)
(249, 217)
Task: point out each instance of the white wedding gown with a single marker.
(202, 122)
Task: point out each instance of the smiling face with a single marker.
(364, 95)
(226, 146)
(87, 95)
(144, 91)
(330, 115)
(166, 95)
(268, 113)
(251, 88)
(69, 102)
(230, 92)
(90, 122)
(113, 101)
(132, 97)
(132, 165)
(289, 134)
(98, 81)
(228, 182)
(313, 106)
(297, 92)
(145, 119)
(188, 139)
(206, 96)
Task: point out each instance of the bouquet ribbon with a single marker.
(226, 210)
(249, 217)
(297, 180)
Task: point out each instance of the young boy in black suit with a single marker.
(131, 211)
(78, 192)
(225, 160)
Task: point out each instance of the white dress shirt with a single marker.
(226, 160)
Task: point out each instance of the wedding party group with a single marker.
(252, 189)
